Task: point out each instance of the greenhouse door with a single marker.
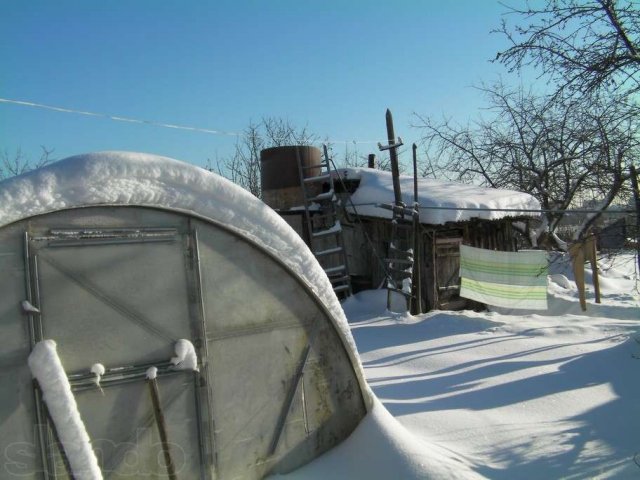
(122, 298)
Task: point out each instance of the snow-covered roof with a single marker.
(139, 179)
(440, 202)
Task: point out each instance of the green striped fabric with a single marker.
(504, 279)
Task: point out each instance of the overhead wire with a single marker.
(118, 118)
(121, 118)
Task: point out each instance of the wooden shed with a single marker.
(450, 214)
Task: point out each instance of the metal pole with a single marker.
(35, 335)
(417, 241)
(393, 156)
(162, 428)
(415, 174)
(293, 388)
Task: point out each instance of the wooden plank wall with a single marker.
(439, 258)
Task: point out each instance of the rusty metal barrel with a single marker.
(281, 188)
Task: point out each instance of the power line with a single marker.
(120, 118)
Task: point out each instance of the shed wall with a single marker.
(367, 243)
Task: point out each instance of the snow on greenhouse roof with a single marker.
(139, 179)
(440, 202)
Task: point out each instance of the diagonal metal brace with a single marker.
(111, 302)
(286, 407)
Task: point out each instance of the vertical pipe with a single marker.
(35, 335)
(43, 433)
(38, 328)
(56, 438)
(28, 290)
(206, 429)
(372, 160)
(415, 173)
(417, 241)
(393, 156)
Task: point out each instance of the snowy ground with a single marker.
(505, 395)
(500, 395)
(518, 396)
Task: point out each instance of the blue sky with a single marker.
(333, 66)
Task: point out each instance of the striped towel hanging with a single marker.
(504, 279)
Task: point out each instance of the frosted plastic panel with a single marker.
(259, 323)
(119, 297)
(124, 434)
(276, 389)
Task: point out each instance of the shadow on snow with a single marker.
(610, 425)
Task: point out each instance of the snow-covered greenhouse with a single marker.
(148, 271)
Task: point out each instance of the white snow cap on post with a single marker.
(186, 358)
(47, 369)
(98, 370)
(151, 373)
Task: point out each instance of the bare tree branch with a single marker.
(17, 163)
(583, 45)
(243, 166)
(560, 150)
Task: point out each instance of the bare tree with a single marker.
(560, 150)
(352, 157)
(18, 163)
(584, 45)
(243, 167)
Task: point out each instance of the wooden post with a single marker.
(434, 266)
(577, 257)
(398, 211)
(393, 157)
(162, 427)
(372, 160)
(416, 281)
(636, 196)
(592, 254)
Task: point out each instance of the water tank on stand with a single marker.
(281, 188)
